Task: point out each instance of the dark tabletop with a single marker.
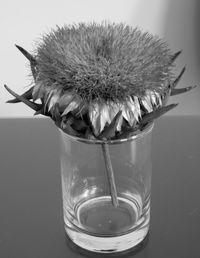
(31, 223)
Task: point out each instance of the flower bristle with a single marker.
(103, 61)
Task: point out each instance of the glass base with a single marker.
(107, 229)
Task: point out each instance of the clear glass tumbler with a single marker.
(91, 220)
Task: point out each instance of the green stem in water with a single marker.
(110, 174)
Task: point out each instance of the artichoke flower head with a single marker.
(101, 81)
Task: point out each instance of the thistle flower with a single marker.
(91, 72)
(103, 81)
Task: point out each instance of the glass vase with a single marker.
(91, 220)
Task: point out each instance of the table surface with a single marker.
(31, 222)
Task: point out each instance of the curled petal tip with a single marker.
(192, 87)
(174, 105)
(176, 81)
(13, 101)
(182, 90)
(27, 55)
(176, 55)
(156, 114)
(31, 104)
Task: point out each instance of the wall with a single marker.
(23, 23)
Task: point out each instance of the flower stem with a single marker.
(110, 174)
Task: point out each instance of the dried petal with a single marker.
(174, 84)
(114, 108)
(38, 91)
(152, 96)
(155, 114)
(55, 113)
(53, 100)
(34, 71)
(104, 116)
(71, 106)
(31, 104)
(27, 55)
(94, 117)
(134, 109)
(137, 108)
(110, 130)
(64, 100)
(52, 97)
(182, 90)
(81, 110)
(26, 95)
(146, 102)
(32, 60)
(128, 114)
(175, 56)
(158, 99)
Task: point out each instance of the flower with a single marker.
(90, 77)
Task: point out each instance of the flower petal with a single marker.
(64, 101)
(38, 91)
(47, 97)
(53, 98)
(110, 130)
(104, 116)
(137, 108)
(158, 99)
(146, 102)
(135, 111)
(114, 108)
(94, 117)
(71, 106)
(152, 97)
(127, 114)
(53, 101)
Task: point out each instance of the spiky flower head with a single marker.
(102, 80)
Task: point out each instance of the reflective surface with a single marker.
(31, 220)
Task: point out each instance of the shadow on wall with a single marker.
(181, 29)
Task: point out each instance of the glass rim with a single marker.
(139, 135)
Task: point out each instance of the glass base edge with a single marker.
(108, 244)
